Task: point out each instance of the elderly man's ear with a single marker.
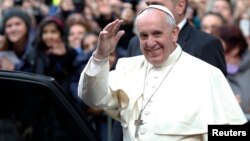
(175, 33)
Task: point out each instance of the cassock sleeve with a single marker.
(94, 89)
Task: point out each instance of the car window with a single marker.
(29, 112)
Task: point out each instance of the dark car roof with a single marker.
(39, 109)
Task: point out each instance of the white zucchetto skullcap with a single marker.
(160, 7)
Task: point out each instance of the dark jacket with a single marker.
(59, 67)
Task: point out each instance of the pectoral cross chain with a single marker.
(138, 123)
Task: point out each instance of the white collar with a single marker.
(182, 23)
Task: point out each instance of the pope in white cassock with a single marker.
(164, 94)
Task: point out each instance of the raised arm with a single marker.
(108, 39)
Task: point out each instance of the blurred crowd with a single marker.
(57, 37)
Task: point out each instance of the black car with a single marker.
(35, 108)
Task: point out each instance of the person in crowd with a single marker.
(242, 18)
(75, 18)
(127, 15)
(210, 21)
(105, 11)
(89, 15)
(89, 42)
(17, 31)
(225, 8)
(192, 40)
(77, 28)
(50, 54)
(66, 8)
(241, 10)
(88, 45)
(195, 10)
(36, 8)
(142, 92)
(6, 4)
(238, 62)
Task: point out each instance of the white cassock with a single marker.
(188, 95)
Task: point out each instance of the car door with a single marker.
(35, 108)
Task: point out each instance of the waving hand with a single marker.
(108, 39)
